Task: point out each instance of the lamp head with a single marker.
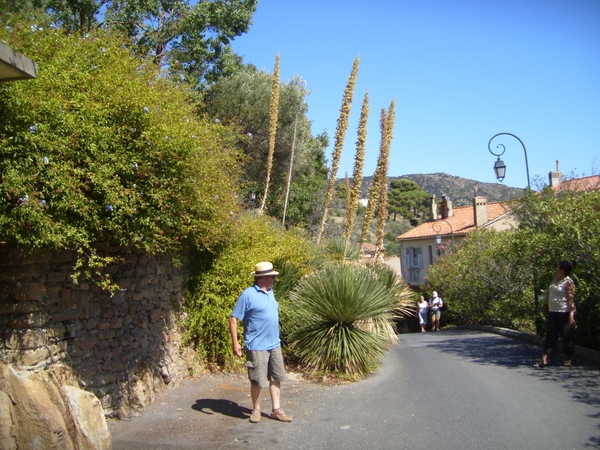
(500, 169)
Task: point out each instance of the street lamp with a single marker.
(500, 170)
(499, 166)
(438, 229)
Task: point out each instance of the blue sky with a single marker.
(460, 72)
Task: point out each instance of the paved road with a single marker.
(456, 389)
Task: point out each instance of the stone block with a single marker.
(32, 291)
(26, 339)
(65, 316)
(88, 344)
(32, 320)
(12, 274)
(16, 307)
(89, 371)
(57, 276)
(32, 358)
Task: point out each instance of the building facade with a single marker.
(421, 246)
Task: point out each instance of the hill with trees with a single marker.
(460, 190)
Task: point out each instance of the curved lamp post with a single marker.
(439, 228)
(500, 167)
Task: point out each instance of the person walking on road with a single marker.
(558, 304)
(423, 308)
(258, 310)
(435, 305)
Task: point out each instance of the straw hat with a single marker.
(263, 269)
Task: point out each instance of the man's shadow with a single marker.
(221, 406)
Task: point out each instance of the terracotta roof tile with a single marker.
(462, 222)
(579, 184)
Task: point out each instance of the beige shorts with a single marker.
(264, 366)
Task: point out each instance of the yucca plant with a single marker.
(343, 309)
(336, 249)
(405, 301)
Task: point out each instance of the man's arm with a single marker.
(237, 349)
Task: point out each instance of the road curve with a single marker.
(456, 389)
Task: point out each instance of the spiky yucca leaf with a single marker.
(337, 302)
(402, 292)
(337, 249)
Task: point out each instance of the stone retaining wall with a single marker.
(124, 349)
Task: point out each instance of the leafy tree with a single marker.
(243, 100)
(407, 199)
(190, 38)
(566, 226)
(486, 281)
(99, 149)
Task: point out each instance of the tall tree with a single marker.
(340, 135)
(407, 199)
(190, 39)
(273, 113)
(243, 100)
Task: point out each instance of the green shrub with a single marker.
(222, 279)
(98, 149)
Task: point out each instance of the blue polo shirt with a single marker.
(259, 312)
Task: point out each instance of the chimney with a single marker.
(433, 209)
(480, 211)
(555, 178)
(446, 207)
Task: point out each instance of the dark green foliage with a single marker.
(409, 201)
(98, 149)
(490, 278)
(188, 39)
(243, 100)
(487, 281)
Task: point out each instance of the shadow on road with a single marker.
(582, 380)
(495, 350)
(221, 406)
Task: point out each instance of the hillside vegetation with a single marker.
(460, 190)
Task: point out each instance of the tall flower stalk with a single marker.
(340, 134)
(375, 190)
(359, 161)
(387, 132)
(273, 111)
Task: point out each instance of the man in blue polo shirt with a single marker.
(258, 310)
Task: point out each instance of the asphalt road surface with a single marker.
(455, 389)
